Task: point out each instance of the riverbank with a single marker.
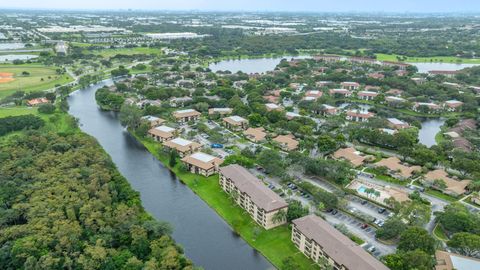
(274, 244)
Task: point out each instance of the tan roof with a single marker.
(351, 155)
(453, 185)
(257, 134)
(445, 262)
(288, 140)
(339, 247)
(162, 131)
(182, 145)
(394, 164)
(262, 196)
(235, 120)
(37, 101)
(202, 160)
(185, 113)
(220, 110)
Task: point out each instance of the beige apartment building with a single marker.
(183, 116)
(182, 146)
(252, 195)
(162, 133)
(201, 163)
(322, 243)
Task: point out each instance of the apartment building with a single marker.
(186, 115)
(252, 195)
(321, 242)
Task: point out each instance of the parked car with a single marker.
(364, 226)
(334, 211)
(216, 145)
(381, 210)
(364, 202)
(371, 249)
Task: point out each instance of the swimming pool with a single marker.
(361, 189)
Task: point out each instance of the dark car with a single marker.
(364, 226)
(217, 145)
(364, 202)
(334, 211)
(381, 210)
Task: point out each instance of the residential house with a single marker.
(446, 73)
(37, 101)
(397, 124)
(397, 169)
(430, 107)
(239, 84)
(367, 95)
(419, 80)
(451, 261)
(187, 115)
(453, 105)
(182, 146)
(394, 92)
(359, 116)
(179, 101)
(326, 110)
(313, 95)
(356, 158)
(273, 107)
(235, 123)
(153, 120)
(220, 111)
(392, 100)
(162, 133)
(321, 242)
(287, 142)
(255, 134)
(261, 203)
(453, 187)
(327, 58)
(323, 83)
(201, 163)
(350, 85)
(292, 115)
(400, 65)
(377, 76)
(340, 92)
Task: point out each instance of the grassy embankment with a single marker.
(33, 81)
(435, 59)
(274, 244)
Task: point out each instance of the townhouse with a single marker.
(359, 116)
(352, 86)
(273, 107)
(453, 105)
(162, 133)
(287, 142)
(428, 106)
(220, 111)
(182, 146)
(201, 163)
(367, 95)
(396, 123)
(340, 92)
(255, 134)
(235, 123)
(187, 115)
(313, 95)
(249, 192)
(153, 120)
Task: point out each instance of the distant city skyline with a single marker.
(413, 6)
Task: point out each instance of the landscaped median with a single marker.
(274, 244)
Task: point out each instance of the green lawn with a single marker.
(274, 244)
(443, 59)
(15, 111)
(32, 82)
(439, 233)
(126, 51)
(441, 195)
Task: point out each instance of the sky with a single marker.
(421, 6)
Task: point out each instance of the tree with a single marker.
(279, 217)
(46, 108)
(456, 218)
(173, 158)
(467, 244)
(272, 162)
(392, 229)
(326, 144)
(415, 259)
(296, 210)
(415, 238)
(130, 116)
(289, 264)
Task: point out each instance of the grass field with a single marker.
(15, 111)
(274, 244)
(443, 59)
(125, 51)
(32, 82)
(439, 233)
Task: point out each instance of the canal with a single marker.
(207, 239)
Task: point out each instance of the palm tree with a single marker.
(280, 216)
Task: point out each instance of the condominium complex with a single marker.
(252, 195)
(319, 241)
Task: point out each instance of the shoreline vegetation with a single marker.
(275, 244)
